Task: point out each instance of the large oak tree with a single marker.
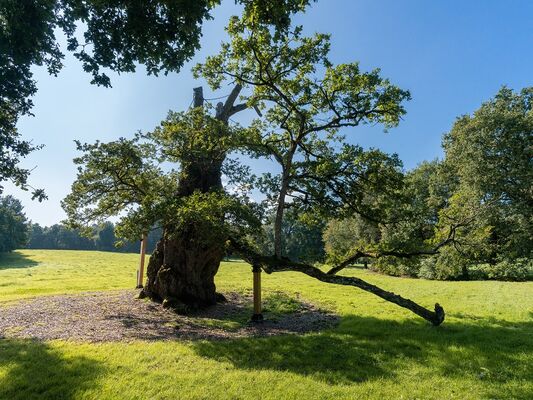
(303, 101)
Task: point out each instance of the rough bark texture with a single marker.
(285, 178)
(181, 271)
(183, 266)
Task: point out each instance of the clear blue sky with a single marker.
(451, 55)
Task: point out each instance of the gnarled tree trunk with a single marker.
(183, 266)
(181, 270)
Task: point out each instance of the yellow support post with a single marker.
(140, 275)
(257, 315)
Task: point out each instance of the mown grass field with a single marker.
(484, 350)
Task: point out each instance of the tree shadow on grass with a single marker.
(365, 348)
(16, 260)
(37, 371)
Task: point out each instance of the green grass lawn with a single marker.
(484, 349)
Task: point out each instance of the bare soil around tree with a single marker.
(111, 316)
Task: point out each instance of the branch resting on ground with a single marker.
(274, 264)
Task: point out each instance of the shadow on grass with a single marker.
(16, 260)
(364, 348)
(37, 371)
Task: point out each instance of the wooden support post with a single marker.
(140, 275)
(257, 315)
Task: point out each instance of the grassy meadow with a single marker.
(484, 349)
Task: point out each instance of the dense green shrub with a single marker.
(396, 266)
(517, 270)
(428, 268)
(452, 267)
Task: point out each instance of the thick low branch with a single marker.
(273, 264)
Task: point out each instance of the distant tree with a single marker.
(37, 237)
(13, 224)
(58, 237)
(61, 237)
(72, 239)
(409, 225)
(475, 208)
(425, 191)
(106, 237)
(491, 154)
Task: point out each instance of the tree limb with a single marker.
(272, 264)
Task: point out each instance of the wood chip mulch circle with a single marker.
(113, 316)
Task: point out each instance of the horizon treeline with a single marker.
(60, 237)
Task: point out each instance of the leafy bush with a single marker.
(428, 268)
(396, 267)
(520, 269)
(450, 266)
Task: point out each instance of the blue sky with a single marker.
(452, 55)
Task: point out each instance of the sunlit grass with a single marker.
(28, 273)
(484, 349)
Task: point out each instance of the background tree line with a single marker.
(17, 232)
(103, 238)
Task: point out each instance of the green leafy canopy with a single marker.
(304, 101)
(104, 35)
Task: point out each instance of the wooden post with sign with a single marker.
(140, 273)
(257, 315)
